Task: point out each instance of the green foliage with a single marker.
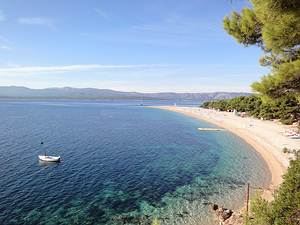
(285, 108)
(280, 23)
(285, 208)
(245, 28)
(261, 210)
(273, 25)
(283, 80)
(155, 222)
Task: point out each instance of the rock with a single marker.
(226, 214)
(237, 218)
(185, 212)
(222, 213)
(215, 207)
(180, 215)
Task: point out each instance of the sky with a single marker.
(126, 45)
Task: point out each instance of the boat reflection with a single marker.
(44, 163)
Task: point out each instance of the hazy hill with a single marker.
(93, 93)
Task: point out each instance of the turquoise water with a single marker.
(121, 164)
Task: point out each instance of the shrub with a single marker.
(287, 108)
(285, 208)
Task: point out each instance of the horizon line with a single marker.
(141, 92)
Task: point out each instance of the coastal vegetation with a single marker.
(285, 208)
(286, 109)
(273, 26)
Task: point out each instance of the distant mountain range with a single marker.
(93, 93)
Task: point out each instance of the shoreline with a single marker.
(263, 136)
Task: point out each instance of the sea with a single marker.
(121, 163)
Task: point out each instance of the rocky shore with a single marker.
(226, 216)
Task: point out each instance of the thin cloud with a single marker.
(2, 16)
(5, 44)
(40, 21)
(183, 27)
(101, 13)
(163, 33)
(71, 68)
(4, 39)
(4, 47)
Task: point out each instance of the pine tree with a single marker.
(274, 26)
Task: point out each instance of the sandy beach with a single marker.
(264, 136)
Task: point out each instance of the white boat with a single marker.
(210, 129)
(48, 158)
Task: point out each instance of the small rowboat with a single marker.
(48, 158)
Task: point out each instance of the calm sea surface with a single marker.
(121, 164)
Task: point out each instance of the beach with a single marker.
(265, 137)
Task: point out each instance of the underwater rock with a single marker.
(180, 215)
(215, 207)
(185, 212)
(126, 219)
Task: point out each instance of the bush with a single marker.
(287, 108)
(285, 208)
(287, 121)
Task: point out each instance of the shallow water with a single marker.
(121, 164)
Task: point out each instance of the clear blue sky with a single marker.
(130, 45)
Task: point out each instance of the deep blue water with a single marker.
(121, 164)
